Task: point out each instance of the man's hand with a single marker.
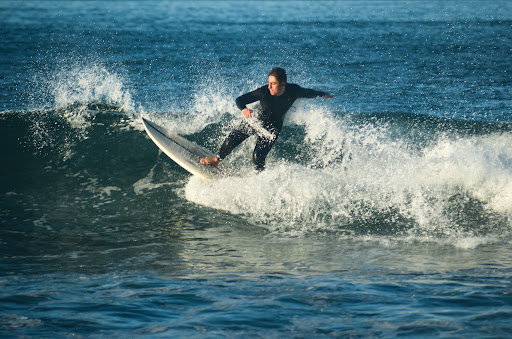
(328, 96)
(247, 112)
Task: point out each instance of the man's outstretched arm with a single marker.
(311, 93)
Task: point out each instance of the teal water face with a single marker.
(383, 212)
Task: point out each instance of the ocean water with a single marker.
(384, 212)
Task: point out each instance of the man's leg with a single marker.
(263, 146)
(235, 138)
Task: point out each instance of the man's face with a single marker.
(275, 87)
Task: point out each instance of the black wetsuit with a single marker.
(273, 111)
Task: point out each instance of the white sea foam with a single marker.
(426, 194)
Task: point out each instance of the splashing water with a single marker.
(73, 95)
(360, 180)
(77, 90)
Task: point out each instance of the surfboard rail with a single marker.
(183, 152)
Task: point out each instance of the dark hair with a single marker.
(279, 73)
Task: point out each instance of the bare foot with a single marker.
(211, 161)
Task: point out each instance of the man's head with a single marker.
(277, 81)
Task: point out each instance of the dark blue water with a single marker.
(384, 212)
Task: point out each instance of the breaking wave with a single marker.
(367, 176)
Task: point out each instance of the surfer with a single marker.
(275, 100)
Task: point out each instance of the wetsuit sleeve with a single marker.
(309, 93)
(243, 100)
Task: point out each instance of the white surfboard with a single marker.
(184, 152)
